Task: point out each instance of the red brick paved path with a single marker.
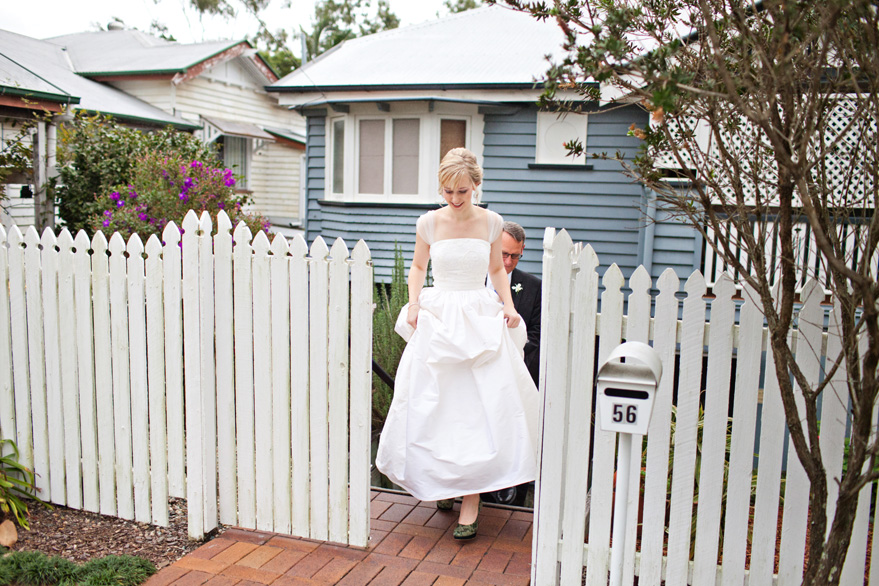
(410, 544)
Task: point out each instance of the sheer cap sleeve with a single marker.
(495, 225)
(425, 227)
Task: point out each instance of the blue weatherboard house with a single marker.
(381, 111)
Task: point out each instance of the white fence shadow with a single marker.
(683, 531)
(226, 369)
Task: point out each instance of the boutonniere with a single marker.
(517, 288)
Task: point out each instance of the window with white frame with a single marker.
(337, 156)
(393, 155)
(554, 129)
(234, 153)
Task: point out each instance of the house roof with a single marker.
(41, 70)
(129, 52)
(122, 52)
(487, 48)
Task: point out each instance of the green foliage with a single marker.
(16, 155)
(281, 60)
(30, 568)
(96, 154)
(335, 21)
(387, 345)
(164, 187)
(17, 482)
(275, 51)
(116, 571)
(455, 6)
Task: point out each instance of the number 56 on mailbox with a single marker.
(627, 383)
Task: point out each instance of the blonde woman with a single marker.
(464, 415)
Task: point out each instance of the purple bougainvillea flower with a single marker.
(143, 217)
(230, 182)
(106, 223)
(115, 196)
(221, 205)
(120, 203)
(108, 213)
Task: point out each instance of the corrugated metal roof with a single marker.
(235, 128)
(128, 51)
(286, 134)
(39, 66)
(16, 79)
(486, 47)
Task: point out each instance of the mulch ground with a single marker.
(80, 536)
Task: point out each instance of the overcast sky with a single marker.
(48, 18)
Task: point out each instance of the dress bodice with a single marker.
(459, 263)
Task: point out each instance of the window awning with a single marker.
(215, 127)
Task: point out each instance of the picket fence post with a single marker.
(7, 397)
(125, 368)
(732, 334)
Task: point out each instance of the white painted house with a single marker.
(216, 89)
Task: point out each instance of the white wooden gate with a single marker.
(229, 370)
(684, 549)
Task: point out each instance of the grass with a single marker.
(31, 568)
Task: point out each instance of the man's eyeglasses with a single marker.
(512, 256)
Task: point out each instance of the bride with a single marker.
(464, 415)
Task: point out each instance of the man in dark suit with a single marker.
(526, 289)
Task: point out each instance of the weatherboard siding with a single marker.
(156, 93)
(275, 175)
(274, 172)
(597, 205)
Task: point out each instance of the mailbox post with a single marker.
(626, 391)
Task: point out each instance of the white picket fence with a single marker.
(227, 369)
(563, 544)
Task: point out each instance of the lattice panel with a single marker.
(848, 181)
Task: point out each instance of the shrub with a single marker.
(96, 153)
(163, 186)
(31, 568)
(16, 484)
(387, 345)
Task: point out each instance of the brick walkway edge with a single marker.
(410, 544)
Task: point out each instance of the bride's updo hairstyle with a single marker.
(457, 164)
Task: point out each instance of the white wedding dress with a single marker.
(464, 415)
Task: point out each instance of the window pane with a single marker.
(553, 131)
(372, 156)
(339, 156)
(453, 134)
(235, 158)
(406, 140)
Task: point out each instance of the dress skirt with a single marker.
(464, 414)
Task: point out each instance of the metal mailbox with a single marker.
(627, 383)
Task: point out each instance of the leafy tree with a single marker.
(335, 21)
(766, 84)
(277, 53)
(455, 6)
